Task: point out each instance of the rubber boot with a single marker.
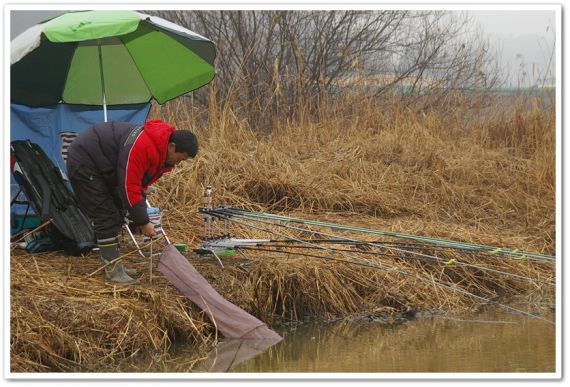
(114, 272)
(131, 272)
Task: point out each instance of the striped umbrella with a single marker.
(107, 58)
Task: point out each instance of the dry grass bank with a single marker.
(490, 180)
(487, 179)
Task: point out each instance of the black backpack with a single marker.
(49, 196)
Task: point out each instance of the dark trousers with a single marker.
(97, 199)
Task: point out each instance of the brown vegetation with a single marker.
(485, 176)
(462, 175)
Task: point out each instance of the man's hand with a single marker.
(148, 230)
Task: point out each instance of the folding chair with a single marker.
(155, 217)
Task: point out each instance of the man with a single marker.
(110, 166)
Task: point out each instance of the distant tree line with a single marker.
(273, 63)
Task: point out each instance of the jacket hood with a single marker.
(159, 132)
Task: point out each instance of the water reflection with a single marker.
(231, 352)
(482, 344)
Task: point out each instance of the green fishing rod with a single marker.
(377, 265)
(345, 241)
(516, 253)
(422, 255)
(448, 243)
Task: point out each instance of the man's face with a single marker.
(173, 158)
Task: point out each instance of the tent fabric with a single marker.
(229, 319)
(53, 127)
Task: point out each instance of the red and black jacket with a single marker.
(129, 157)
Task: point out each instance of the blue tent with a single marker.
(53, 128)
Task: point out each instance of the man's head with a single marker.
(182, 145)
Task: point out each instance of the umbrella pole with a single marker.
(102, 83)
(104, 108)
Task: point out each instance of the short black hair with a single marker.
(185, 142)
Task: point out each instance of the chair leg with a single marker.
(126, 226)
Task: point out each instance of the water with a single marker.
(490, 342)
(484, 343)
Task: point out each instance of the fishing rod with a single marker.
(448, 243)
(228, 243)
(352, 242)
(227, 212)
(279, 249)
(359, 261)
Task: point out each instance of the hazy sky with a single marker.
(525, 40)
(504, 23)
(21, 20)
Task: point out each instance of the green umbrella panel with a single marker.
(110, 57)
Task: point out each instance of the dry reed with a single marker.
(64, 320)
(365, 162)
